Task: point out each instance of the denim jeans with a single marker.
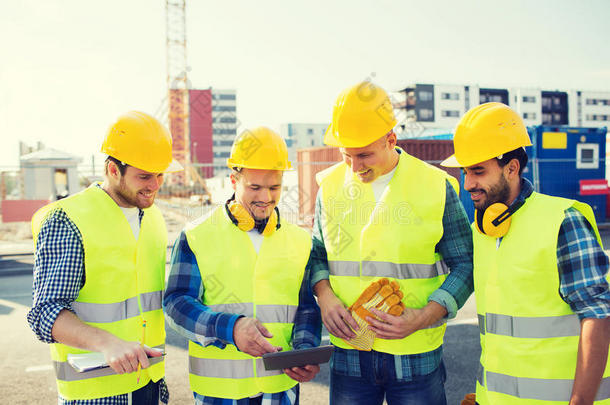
(378, 379)
(147, 395)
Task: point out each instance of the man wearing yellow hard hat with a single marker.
(539, 274)
(238, 285)
(100, 269)
(382, 213)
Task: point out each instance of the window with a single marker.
(222, 154)
(546, 102)
(529, 116)
(450, 96)
(224, 131)
(595, 101)
(223, 143)
(309, 131)
(597, 117)
(547, 118)
(223, 96)
(223, 108)
(426, 114)
(425, 96)
(225, 119)
(450, 113)
(487, 98)
(587, 156)
(529, 99)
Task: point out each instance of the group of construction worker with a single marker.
(391, 258)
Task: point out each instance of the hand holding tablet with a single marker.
(297, 358)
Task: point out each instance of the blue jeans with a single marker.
(378, 379)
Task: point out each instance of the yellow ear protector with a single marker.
(240, 216)
(495, 220)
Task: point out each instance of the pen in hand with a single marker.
(141, 343)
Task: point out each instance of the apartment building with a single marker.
(441, 105)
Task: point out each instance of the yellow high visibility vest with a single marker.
(529, 335)
(124, 281)
(238, 280)
(394, 238)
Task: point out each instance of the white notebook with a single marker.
(92, 361)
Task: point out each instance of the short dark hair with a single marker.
(122, 166)
(518, 154)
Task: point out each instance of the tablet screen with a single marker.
(297, 358)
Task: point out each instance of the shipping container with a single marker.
(563, 160)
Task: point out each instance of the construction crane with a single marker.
(178, 85)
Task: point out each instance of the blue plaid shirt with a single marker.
(59, 275)
(456, 247)
(582, 264)
(186, 314)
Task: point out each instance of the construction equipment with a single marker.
(177, 83)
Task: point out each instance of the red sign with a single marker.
(594, 187)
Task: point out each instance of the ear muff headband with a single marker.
(496, 219)
(240, 216)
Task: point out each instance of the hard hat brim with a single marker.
(331, 140)
(451, 161)
(232, 165)
(174, 167)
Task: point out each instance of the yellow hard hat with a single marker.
(259, 148)
(362, 114)
(141, 141)
(485, 132)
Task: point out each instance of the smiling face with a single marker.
(257, 190)
(374, 160)
(488, 183)
(133, 188)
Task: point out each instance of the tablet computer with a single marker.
(297, 358)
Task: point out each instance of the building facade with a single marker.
(300, 136)
(441, 105)
(212, 129)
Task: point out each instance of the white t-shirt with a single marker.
(381, 182)
(256, 238)
(133, 217)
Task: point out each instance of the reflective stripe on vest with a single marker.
(537, 388)
(530, 327)
(400, 271)
(264, 313)
(65, 372)
(229, 368)
(117, 311)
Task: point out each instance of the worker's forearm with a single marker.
(322, 288)
(592, 358)
(432, 313)
(70, 330)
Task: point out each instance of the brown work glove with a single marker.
(382, 295)
(469, 399)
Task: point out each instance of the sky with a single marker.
(69, 68)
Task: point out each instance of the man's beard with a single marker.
(130, 197)
(499, 192)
